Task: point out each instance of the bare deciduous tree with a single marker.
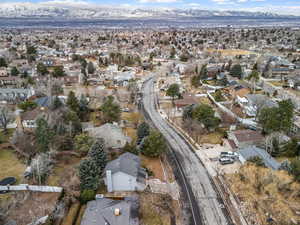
(5, 118)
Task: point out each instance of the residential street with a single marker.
(194, 173)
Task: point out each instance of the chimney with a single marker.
(117, 212)
(20, 127)
(109, 182)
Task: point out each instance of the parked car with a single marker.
(232, 155)
(226, 160)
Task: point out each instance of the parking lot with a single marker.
(210, 155)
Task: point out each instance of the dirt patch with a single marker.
(130, 132)
(230, 52)
(212, 138)
(64, 175)
(27, 207)
(154, 165)
(158, 209)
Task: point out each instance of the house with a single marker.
(239, 90)
(123, 78)
(187, 99)
(295, 129)
(252, 151)
(294, 82)
(251, 103)
(28, 119)
(244, 138)
(15, 94)
(106, 211)
(125, 174)
(112, 135)
(47, 101)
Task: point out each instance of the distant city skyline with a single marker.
(291, 7)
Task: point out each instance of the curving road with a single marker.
(206, 206)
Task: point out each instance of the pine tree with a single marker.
(111, 111)
(56, 103)
(43, 135)
(154, 145)
(14, 71)
(72, 102)
(91, 68)
(83, 107)
(143, 130)
(88, 175)
(203, 72)
(98, 155)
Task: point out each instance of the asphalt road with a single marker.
(196, 179)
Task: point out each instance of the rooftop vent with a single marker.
(117, 212)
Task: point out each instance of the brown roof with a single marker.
(187, 100)
(242, 92)
(248, 135)
(32, 114)
(232, 144)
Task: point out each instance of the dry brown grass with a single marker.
(155, 209)
(265, 192)
(212, 138)
(204, 100)
(130, 132)
(230, 52)
(10, 165)
(31, 205)
(72, 214)
(80, 214)
(154, 165)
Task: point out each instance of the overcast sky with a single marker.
(277, 6)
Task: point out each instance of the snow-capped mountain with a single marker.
(29, 10)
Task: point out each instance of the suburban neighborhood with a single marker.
(150, 127)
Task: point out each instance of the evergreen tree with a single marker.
(98, 155)
(58, 71)
(206, 115)
(14, 71)
(56, 103)
(111, 111)
(277, 118)
(3, 62)
(154, 145)
(195, 81)
(203, 72)
(91, 68)
(42, 69)
(173, 91)
(83, 107)
(143, 130)
(72, 102)
(73, 122)
(188, 112)
(43, 135)
(236, 71)
(88, 174)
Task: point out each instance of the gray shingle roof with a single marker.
(252, 151)
(127, 163)
(101, 211)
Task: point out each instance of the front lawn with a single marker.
(10, 165)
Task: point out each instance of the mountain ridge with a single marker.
(29, 10)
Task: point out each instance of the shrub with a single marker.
(87, 195)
